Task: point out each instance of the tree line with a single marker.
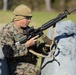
(39, 5)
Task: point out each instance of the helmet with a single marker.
(20, 11)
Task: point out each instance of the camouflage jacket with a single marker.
(8, 36)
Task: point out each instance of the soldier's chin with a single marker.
(25, 27)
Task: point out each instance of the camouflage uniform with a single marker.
(19, 59)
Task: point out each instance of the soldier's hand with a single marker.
(32, 41)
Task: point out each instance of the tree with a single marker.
(5, 4)
(48, 5)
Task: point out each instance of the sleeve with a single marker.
(9, 48)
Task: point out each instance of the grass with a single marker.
(39, 18)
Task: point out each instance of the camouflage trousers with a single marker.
(27, 69)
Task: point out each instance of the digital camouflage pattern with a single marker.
(8, 35)
(17, 55)
(23, 70)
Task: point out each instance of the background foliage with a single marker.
(40, 4)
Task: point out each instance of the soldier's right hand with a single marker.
(32, 41)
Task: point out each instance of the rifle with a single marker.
(31, 32)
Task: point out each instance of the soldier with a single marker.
(20, 61)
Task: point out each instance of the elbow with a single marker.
(8, 51)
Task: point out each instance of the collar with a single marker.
(18, 28)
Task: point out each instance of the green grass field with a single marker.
(38, 19)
